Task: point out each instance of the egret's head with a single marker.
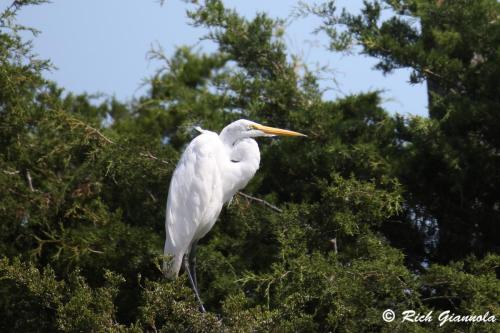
(243, 128)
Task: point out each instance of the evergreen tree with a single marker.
(447, 162)
(84, 185)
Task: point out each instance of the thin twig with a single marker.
(30, 182)
(428, 71)
(439, 297)
(448, 298)
(95, 131)
(108, 140)
(279, 210)
(264, 202)
(89, 129)
(102, 135)
(334, 244)
(11, 173)
(151, 156)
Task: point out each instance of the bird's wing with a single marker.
(194, 193)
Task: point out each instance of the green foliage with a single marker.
(83, 185)
(447, 163)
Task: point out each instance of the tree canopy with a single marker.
(376, 211)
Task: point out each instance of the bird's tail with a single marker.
(171, 266)
(201, 130)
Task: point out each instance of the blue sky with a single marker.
(102, 46)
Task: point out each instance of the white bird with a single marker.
(210, 172)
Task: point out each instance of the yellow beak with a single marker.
(276, 131)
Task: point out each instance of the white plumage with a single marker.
(210, 172)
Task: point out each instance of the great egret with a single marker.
(210, 172)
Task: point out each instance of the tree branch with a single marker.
(261, 201)
(11, 173)
(95, 132)
(333, 241)
(151, 156)
(30, 182)
(439, 297)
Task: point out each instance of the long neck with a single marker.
(227, 137)
(244, 160)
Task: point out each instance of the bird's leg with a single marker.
(192, 262)
(186, 266)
